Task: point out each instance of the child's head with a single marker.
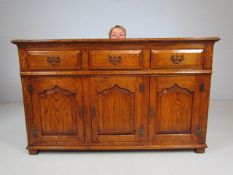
(117, 32)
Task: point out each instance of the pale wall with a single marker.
(43, 19)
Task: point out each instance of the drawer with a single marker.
(186, 58)
(54, 60)
(115, 59)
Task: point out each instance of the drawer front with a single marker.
(115, 59)
(188, 58)
(54, 60)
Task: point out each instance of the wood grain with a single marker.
(106, 94)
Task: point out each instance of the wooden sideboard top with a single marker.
(129, 40)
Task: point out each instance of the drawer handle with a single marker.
(53, 60)
(177, 59)
(114, 59)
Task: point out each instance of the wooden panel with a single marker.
(116, 111)
(58, 109)
(205, 95)
(58, 112)
(189, 58)
(115, 59)
(175, 104)
(54, 60)
(116, 108)
(208, 62)
(174, 110)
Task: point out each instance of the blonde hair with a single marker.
(116, 26)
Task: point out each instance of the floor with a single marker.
(218, 159)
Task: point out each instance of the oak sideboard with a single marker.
(106, 94)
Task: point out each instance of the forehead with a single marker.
(117, 30)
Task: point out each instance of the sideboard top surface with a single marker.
(128, 40)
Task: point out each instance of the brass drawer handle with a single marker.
(114, 59)
(53, 60)
(177, 59)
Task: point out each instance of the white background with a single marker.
(53, 19)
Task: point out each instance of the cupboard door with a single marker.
(174, 110)
(57, 110)
(116, 109)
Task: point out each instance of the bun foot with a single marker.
(33, 152)
(200, 150)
